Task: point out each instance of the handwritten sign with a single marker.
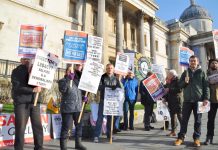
(94, 50)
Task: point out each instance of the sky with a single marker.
(172, 9)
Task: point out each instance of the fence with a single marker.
(6, 67)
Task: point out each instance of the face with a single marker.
(110, 69)
(79, 67)
(25, 61)
(131, 75)
(69, 70)
(214, 65)
(193, 62)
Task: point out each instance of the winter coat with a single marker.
(71, 100)
(197, 89)
(22, 93)
(173, 97)
(145, 96)
(213, 88)
(131, 89)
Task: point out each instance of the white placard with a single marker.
(43, 70)
(131, 61)
(159, 71)
(162, 112)
(113, 102)
(56, 124)
(215, 39)
(202, 108)
(122, 64)
(213, 79)
(91, 76)
(94, 50)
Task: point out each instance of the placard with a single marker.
(184, 54)
(122, 64)
(94, 50)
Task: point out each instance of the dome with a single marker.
(194, 12)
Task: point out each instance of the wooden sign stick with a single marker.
(83, 105)
(112, 126)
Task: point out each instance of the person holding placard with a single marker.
(148, 103)
(212, 71)
(71, 105)
(107, 80)
(195, 87)
(131, 93)
(23, 96)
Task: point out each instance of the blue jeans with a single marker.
(117, 122)
(128, 106)
(99, 122)
(187, 109)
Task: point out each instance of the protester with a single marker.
(23, 96)
(107, 80)
(131, 93)
(212, 70)
(148, 103)
(195, 89)
(71, 104)
(173, 98)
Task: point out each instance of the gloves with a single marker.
(71, 76)
(85, 99)
(113, 87)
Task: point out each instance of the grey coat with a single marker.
(71, 100)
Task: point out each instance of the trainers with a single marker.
(197, 143)
(96, 140)
(171, 134)
(178, 142)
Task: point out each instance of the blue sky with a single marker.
(170, 9)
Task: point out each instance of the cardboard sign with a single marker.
(113, 102)
(91, 76)
(184, 54)
(43, 70)
(7, 129)
(154, 87)
(94, 50)
(75, 47)
(122, 64)
(162, 112)
(30, 39)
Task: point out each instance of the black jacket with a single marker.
(21, 92)
(71, 100)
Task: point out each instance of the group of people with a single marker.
(193, 82)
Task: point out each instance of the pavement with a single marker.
(139, 139)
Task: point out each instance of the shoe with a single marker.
(171, 134)
(79, 145)
(96, 140)
(132, 128)
(151, 127)
(117, 130)
(197, 143)
(147, 128)
(162, 128)
(178, 142)
(209, 140)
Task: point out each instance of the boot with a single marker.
(209, 140)
(78, 144)
(63, 144)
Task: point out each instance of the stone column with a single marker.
(203, 57)
(152, 40)
(119, 26)
(141, 33)
(101, 22)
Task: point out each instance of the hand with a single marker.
(85, 99)
(113, 87)
(71, 76)
(37, 89)
(205, 102)
(186, 79)
(166, 90)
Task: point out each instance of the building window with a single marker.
(114, 27)
(156, 45)
(94, 19)
(167, 51)
(41, 3)
(133, 35)
(72, 9)
(145, 40)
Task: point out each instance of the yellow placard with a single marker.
(52, 107)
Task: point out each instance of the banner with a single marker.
(7, 129)
(215, 40)
(162, 112)
(43, 70)
(184, 55)
(154, 87)
(75, 47)
(113, 102)
(122, 64)
(202, 108)
(91, 76)
(159, 71)
(30, 39)
(131, 61)
(94, 50)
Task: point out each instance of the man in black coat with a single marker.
(23, 96)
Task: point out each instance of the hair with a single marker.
(193, 56)
(149, 73)
(109, 65)
(173, 72)
(68, 66)
(210, 61)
